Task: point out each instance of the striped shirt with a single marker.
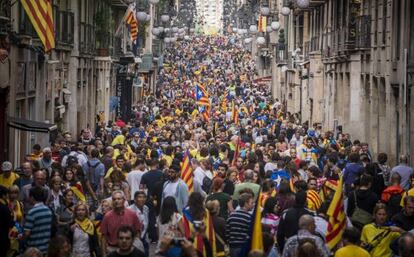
(238, 228)
(39, 223)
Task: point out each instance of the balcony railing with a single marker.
(117, 49)
(315, 44)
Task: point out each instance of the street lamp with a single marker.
(253, 29)
(302, 3)
(264, 10)
(285, 10)
(154, 2)
(165, 17)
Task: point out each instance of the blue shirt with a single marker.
(39, 223)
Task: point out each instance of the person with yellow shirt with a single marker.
(120, 139)
(376, 237)
(8, 176)
(119, 163)
(351, 248)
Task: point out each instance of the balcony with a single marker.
(117, 49)
(86, 39)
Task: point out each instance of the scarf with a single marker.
(87, 226)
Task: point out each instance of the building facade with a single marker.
(68, 87)
(349, 66)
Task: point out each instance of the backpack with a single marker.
(91, 175)
(360, 217)
(206, 184)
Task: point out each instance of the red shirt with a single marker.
(112, 221)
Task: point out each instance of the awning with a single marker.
(30, 125)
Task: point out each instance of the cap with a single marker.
(6, 166)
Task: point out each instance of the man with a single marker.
(404, 171)
(351, 171)
(8, 176)
(248, 183)
(26, 176)
(289, 222)
(134, 177)
(202, 175)
(176, 188)
(94, 171)
(351, 248)
(405, 219)
(306, 231)
(119, 163)
(38, 225)
(307, 151)
(75, 156)
(142, 212)
(46, 161)
(125, 242)
(297, 139)
(39, 180)
(115, 219)
(238, 225)
(406, 245)
(6, 221)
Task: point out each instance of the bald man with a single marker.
(248, 183)
(404, 171)
(306, 231)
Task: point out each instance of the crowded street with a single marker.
(221, 144)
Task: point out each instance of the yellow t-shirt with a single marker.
(8, 182)
(370, 231)
(408, 193)
(168, 159)
(352, 251)
(118, 140)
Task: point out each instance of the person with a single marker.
(169, 219)
(16, 207)
(134, 177)
(308, 248)
(6, 221)
(404, 171)
(114, 219)
(405, 218)
(376, 237)
(94, 171)
(65, 212)
(38, 221)
(142, 211)
(306, 231)
(392, 195)
(26, 177)
(226, 203)
(203, 175)
(248, 183)
(56, 194)
(83, 233)
(406, 245)
(270, 217)
(219, 224)
(46, 161)
(59, 247)
(351, 171)
(350, 241)
(238, 225)
(125, 241)
(8, 176)
(39, 180)
(176, 187)
(289, 221)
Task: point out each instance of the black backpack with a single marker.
(91, 173)
(71, 160)
(206, 184)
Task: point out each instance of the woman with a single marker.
(226, 203)
(169, 218)
(119, 182)
(219, 226)
(285, 197)
(16, 207)
(105, 207)
(376, 237)
(70, 181)
(64, 214)
(56, 196)
(270, 217)
(83, 233)
(230, 181)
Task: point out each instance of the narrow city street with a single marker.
(214, 128)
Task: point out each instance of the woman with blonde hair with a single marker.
(83, 233)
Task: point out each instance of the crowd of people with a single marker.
(187, 175)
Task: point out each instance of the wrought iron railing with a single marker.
(363, 32)
(86, 38)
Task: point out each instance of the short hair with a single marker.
(95, 153)
(353, 157)
(138, 193)
(408, 198)
(244, 198)
(380, 206)
(305, 221)
(3, 191)
(352, 235)
(382, 158)
(118, 192)
(365, 180)
(248, 174)
(38, 193)
(126, 229)
(405, 247)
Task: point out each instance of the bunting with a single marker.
(40, 14)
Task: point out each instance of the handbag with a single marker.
(360, 217)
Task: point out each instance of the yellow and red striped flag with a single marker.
(313, 199)
(187, 171)
(257, 235)
(234, 113)
(337, 217)
(40, 14)
(236, 153)
(132, 21)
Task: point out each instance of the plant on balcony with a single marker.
(103, 23)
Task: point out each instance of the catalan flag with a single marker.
(256, 225)
(40, 14)
(337, 217)
(202, 95)
(210, 234)
(132, 21)
(236, 153)
(234, 113)
(313, 200)
(187, 171)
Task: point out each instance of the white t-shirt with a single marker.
(134, 179)
(170, 188)
(199, 175)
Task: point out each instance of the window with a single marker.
(384, 22)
